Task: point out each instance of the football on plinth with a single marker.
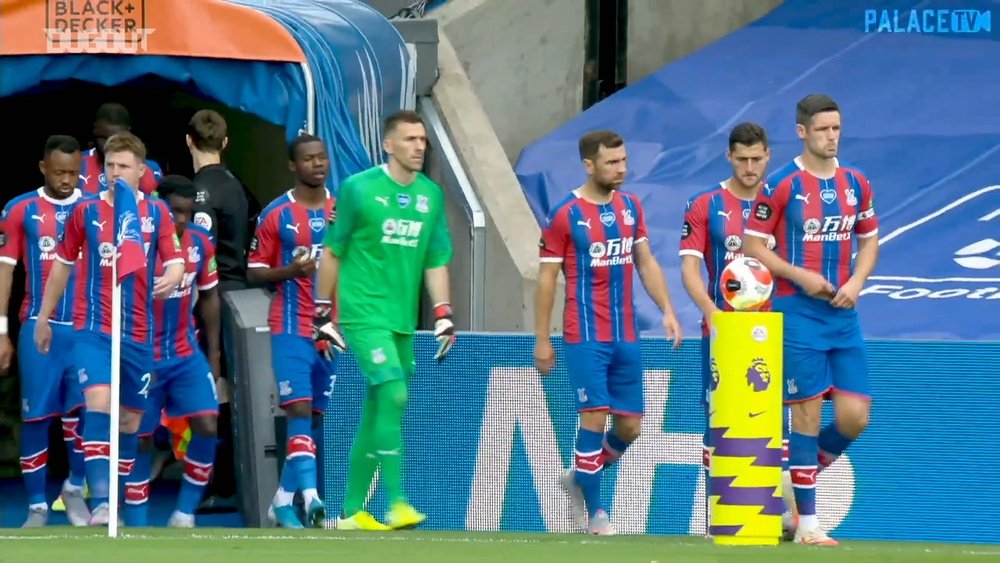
(746, 284)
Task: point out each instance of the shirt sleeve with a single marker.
(867, 225)
(555, 237)
(439, 249)
(768, 209)
(694, 232)
(11, 233)
(151, 179)
(264, 245)
(208, 270)
(168, 246)
(641, 233)
(338, 233)
(73, 237)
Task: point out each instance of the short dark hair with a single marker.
(747, 134)
(811, 105)
(303, 138)
(591, 143)
(114, 114)
(403, 116)
(177, 185)
(61, 143)
(207, 129)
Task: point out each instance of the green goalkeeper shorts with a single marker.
(383, 355)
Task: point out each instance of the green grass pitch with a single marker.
(275, 546)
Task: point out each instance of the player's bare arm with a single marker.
(439, 290)
(694, 284)
(545, 297)
(864, 265)
(329, 271)
(208, 311)
(300, 268)
(173, 274)
(813, 283)
(652, 279)
(55, 287)
(6, 347)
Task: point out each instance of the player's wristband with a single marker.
(442, 310)
(3, 325)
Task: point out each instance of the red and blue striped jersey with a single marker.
(814, 221)
(287, 231)
(713, 231)
(88, 242)
(93, 181)
(594, 244)
(33, 224)
(176, 332)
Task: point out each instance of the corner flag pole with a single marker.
(116, 352)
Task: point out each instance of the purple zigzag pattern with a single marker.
(747, 496)
(725, 530)
(745, 447)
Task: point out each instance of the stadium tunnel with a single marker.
(272, 68)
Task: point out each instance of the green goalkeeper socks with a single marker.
(378, 442)
(362, 461)
(391, 402)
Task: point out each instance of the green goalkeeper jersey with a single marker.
(386, 234)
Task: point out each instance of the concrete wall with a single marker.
(511, 71)
(524, 59)
(512, 248)
(662, 31)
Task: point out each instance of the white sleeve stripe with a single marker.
(757, 234)
(258, 265)
(64, 261)
(174, 261)
(11, 261)
(551, 259)
(691, 252)
(208, 286)
(641, 239)
(868, 234)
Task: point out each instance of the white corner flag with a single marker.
(130, 257)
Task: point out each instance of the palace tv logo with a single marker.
(96, 26)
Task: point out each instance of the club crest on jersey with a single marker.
(61, 216)
(608, 218)
(403, 199)
(627, 217)
(850, 197)
(147, 225)
(102, 178)
(828, 195)
(746, 213)
(316, 224)
(423, 205)
(193, 255)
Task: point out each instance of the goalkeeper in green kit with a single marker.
(388, 235)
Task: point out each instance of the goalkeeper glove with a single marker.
(444, 330)
(325, 334)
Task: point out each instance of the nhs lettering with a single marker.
(486, 439)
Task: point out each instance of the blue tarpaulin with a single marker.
(357, 70)
(919, 119)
